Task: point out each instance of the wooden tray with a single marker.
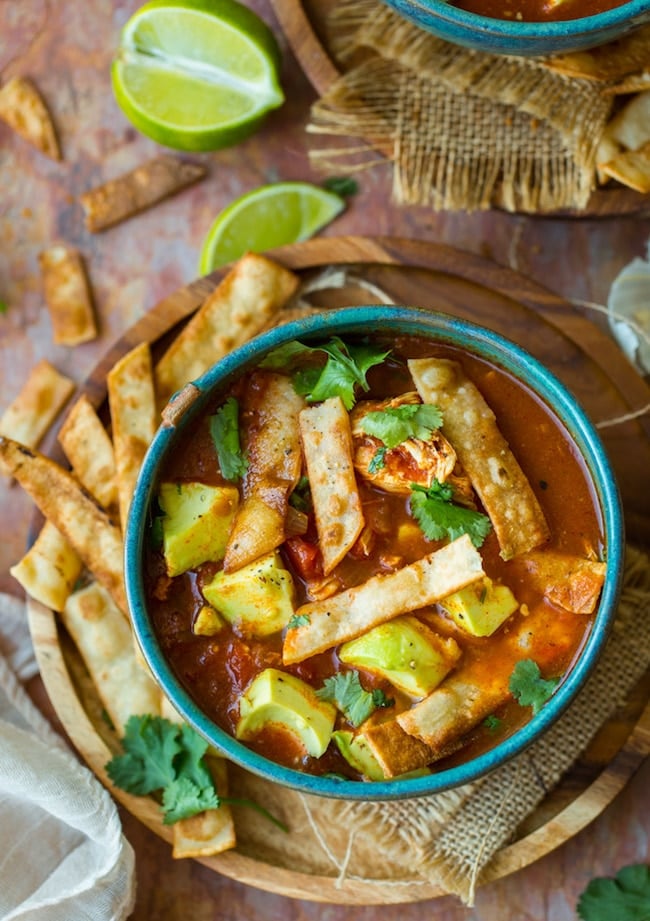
(304, 25)
(468, 286)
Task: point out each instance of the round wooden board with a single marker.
(433, 277)
(304, 25)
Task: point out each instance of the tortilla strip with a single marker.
(354, 611)
(60, 497)
(40, 400)
(272, 447)
(132, 405)
(50, 568)
(631, 168)
(571, 582)
(137, 190)
(67, 295)
(23, 109)
(250, 294)
(610, 62)
(396, 751)
(630, 128)
(90, 451)
(635, 83)
(104, 640)
(327, 444)
(484, 454)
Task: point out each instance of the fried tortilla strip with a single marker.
(356, 610)
(23, 109)
(631, 168)
(104, 640)
(67, 295)
(611, 62)
(137, 190)
(49, 570)
(469, 424)
(90, 451)
(327, 445)
(240, 307)
(635, 83)
(40, 400)
(630, 128)
(571, 582)
(272, 446)
(60, 497)
(396, 751)
(132, 404)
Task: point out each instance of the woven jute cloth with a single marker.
(450, 839)
(464, 130)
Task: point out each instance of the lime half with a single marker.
(270, 216)
(196, 74)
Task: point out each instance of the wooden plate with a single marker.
(468, 286)
(304, 25)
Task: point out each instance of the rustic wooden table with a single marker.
(66, 48)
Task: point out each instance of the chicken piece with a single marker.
(412, 461)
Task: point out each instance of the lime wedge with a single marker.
(270, 216)
(196, 74)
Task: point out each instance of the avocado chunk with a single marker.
(257, 599)
(276, 698)
(357, 753)
(480, 608)
(404, 651)
(208, 622)
(196, 523)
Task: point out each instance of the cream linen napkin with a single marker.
(63, 856)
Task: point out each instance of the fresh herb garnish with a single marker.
(626, 897)
(344, 186)
(224, 429)
(528, 686)
(492, 722)
(355, 703)
(4, 306)
(300, 498)
(163, 756)
(396, 424)
(298, 620)
(378, 460)
(438, 517)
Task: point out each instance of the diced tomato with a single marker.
(304, 557)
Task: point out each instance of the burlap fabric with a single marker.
(452, 838)
(464, 130)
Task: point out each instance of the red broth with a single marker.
(216, 670)
(537, 10)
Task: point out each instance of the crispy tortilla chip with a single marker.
(23, 109)
(356, 610)
(635, 83)
(49, 570)
(631, 126)
(611, 62)
(135, 191)
(250, 294)
(40, 400)
(67, 295)
(62, 500)
(209, 832)
(571, 582)
(470, 426)
(327, 445)
(272, 446)
(631, 168)
(608, 148)
(396, 751)
(104, 640)
(90, 451)
(133, 418)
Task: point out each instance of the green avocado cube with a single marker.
(276, 698)
(207, 622)
(196, 523)
(257, 599)
(480, 608)
(406, 652)
(358, 754)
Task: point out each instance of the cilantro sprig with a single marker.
(345, 369)
(528, 687)
(626, 897)
(439, 518)
(224, 429)
(161, 756)
(355, 703)
(397, 424)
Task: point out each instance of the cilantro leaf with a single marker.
(341, 185)
(438, 517)
(298, 620)
(378, 460)
(224, 429)
(396, 424)
(183, 798)
(300, 498)
(284, 355)
(624, 898)
(4, 306)
(528, 686)
(150, 744)
(492, 722)
(355, 703)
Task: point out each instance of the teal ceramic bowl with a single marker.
(501, 36)
(385, 321)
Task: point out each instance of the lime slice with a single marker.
(270, 216)
(196, 74)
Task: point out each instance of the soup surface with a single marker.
(538, 10)
(381, 587)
